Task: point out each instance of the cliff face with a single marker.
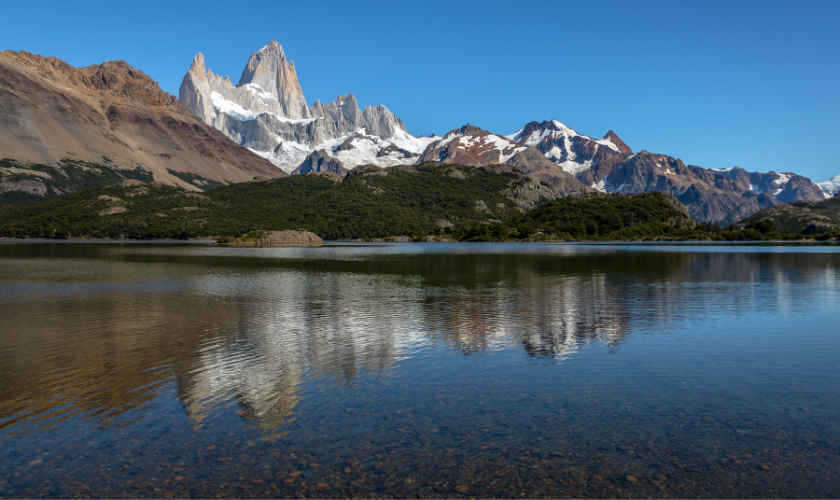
(268, 70)
(109, 115)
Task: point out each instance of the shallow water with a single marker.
(433, 370)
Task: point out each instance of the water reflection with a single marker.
(95, 334)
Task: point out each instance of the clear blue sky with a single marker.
(717, 84)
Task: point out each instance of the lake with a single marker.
(419, 370)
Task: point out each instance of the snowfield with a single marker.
(364, 151)
(830, 187)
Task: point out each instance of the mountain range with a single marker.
(266, 112)
(63, 129)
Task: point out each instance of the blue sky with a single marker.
(717, 84)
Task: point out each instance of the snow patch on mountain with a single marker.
(605, 186)
(257, 91)
(608, 143)
(408, 142)
(222, 105)
(366, 149)
(830, 187)
(230, 108)
(574, 167)
(490, 142)
(574, 152)
(290, 155)
(781, 182)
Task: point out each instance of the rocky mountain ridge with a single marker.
(472, 146)
(588, 159)
(711, 195)
(708, 195)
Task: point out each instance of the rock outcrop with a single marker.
(289, 237)
(266, 112)
(269, 238)
(319, 161)
(60, 124)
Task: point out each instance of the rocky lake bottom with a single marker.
(419, 370)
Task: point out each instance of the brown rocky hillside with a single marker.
(110, 115)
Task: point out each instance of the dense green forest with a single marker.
(449, 202)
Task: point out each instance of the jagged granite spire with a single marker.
(195, 90)
(270, 71)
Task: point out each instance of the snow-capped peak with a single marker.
(830, 187)
(573, 152)
(472, 145)
(562, 128)
(534, 133)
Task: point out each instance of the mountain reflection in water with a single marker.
(96, 337)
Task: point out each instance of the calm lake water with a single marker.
(419, 370)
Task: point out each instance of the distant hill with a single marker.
(432, 200)
(807, 217)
